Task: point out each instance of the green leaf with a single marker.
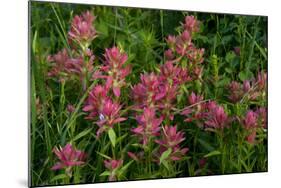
(213, 153)
(82, 134)
(230, 56)
(165, 155)
(206, 145)
(165, 163)
(105, 173)
(103, 155)
(58, 177)
(34, 42)
(245, 75)
(112, 136)
(124, 168)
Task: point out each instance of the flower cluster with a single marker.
(210, 113)
(252, 121)
(109, 116)
(100, 106)
(171, 139)
(159, 91)
(67, 64)
(181, 48)
(149, 125)
(251, 89)
(215, 116)
(195, 108)
(113, 165)
(82, 31)
(68, 157)
(114, 70)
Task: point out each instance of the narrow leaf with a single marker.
(112, 137)
(82, 134)
(58, 177)
(105, 173)
(165, 155)
(213, 153)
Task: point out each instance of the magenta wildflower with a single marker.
(95, 101)
(148, 92)
(68, 157)
(113, 165)
(261, 80)
(202, 162)
(70, 108)
(109, 115)
(115, 70)
(169, 54)
(172, 74)
(250, 124)
(262, 117)
(235, 91)
(64, 67)
(193, 98)
(82, 30)
(215, 117)
(191, 24)
(167, 103)
(195, 112)
(171, 139)
(148, 125)
(195, 55)
(58, 66)
(246, 86)
(250, 120)
(237, 50)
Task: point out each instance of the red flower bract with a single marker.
(171, 138)
(112, 165)
(82, 31)
(191, 24)
(95, 101)
(68, 157)
(215, 117)
(114, 69)
(149, 125)
(148, 92)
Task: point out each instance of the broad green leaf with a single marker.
(112, 137)
(165, 155)
(58, 177)
(213, 153)
(230, 56)
(245, 75)
(82, 134)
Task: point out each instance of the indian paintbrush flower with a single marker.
(95, 101)
(82, 31)
(215, 116)
(68, 157)
(148, 125)
(250, 124)
(115, 70)
(171, 139)
(109, 115)
(113, 165)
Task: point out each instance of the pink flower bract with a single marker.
(68, 157)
